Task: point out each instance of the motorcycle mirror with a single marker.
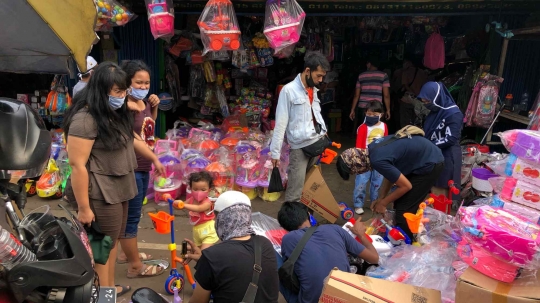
(146, 295)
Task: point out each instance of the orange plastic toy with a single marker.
(219, 27)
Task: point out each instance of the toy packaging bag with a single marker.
(219, 26)
(525, 144)
(111, 13)
(161, 18)
(283, 22)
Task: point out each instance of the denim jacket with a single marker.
(294, 117)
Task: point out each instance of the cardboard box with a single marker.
(474, 287)
(343, 287)
(317, 196)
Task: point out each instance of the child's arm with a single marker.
(204, 206)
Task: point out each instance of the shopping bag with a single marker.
(276, 184)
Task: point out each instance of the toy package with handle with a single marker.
(111, 13)
(219, 26)
(161, 18)
(283, 22)
(505, 235)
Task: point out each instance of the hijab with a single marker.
(234, 222)
(440, 98)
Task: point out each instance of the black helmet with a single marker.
(25, 143)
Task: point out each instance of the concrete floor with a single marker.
(156, 244)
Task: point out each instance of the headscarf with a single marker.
(234, 222)
(441, 98)
(353, 161)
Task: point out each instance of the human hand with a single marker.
(358, 229)
(153, 100)
(352, 115)
(132, 106)
(275, 162)
(86, 216)
(378, 207)
(160, 169)
(194, 252)
(387, 115)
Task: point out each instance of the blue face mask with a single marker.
(116, 102)
(138, 94)
(370, 121)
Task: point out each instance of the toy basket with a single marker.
(283, 22)
(161, 18)
(219, 27)
(161, 221)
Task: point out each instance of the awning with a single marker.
(40, 36)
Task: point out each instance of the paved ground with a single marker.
(156, 244)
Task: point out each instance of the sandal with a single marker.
(147, 271)
(124, 290)
(142, 257)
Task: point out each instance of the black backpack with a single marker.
(287, 277)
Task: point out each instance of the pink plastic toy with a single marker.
(161, 18)
(485, 263)
(283, 23)
(505, 234)
(527, 171)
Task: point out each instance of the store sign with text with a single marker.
(380, 7)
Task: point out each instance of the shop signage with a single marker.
(379, 7)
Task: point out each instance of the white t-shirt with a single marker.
(78, 87)
(374, 132)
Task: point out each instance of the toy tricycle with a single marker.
(164, 223)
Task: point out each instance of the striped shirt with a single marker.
(371, 84)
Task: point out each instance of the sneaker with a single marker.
(359, 210)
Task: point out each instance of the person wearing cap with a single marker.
(326, 249)
(91, 63)
(225, 270)
(412, 163)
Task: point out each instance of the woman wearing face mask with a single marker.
(145, 114)
(101, 150)
(225, 270)
(371, 129)
(443, 127)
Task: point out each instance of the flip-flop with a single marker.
(142, 256)
(125, 289)
(147, 271)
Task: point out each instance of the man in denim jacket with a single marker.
(298, 114)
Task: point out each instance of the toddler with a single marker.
(201, 209)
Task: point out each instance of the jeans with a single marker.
(360, 185)
(286, 293)
(299, 166)
(135, 205)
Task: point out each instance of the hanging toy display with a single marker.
(219, 26)
(283, 22)
(111, 13)
(161, 18)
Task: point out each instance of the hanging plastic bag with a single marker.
(111, 13)
(161, 18)
(283, 22)
(219, 27)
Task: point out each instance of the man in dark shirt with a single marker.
(412, 163)
(225, 270)
(327, 248)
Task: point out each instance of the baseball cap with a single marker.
(90, 64)
(230, 198)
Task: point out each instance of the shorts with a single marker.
(205, 233)
(111, 218)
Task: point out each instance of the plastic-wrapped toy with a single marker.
(161, 18)
(180, 130)
(283, 22)
(268, 227)
(525, 144)
(504, 234)
(50, 183)
(247, 173)
(219, 27)
(111, 13)
(521, 192)
(531, 214)
(222, 170)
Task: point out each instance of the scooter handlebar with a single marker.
(338, 145)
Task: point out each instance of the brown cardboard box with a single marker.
(474, 287)
(317, 196)
(344, 287)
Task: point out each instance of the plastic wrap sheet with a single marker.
(111, 13)
(525, 144)
(219, 26)
(503, 234)
(268, 227)
(283, 22)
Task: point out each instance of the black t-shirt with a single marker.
(226, 269)
(415, 155)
